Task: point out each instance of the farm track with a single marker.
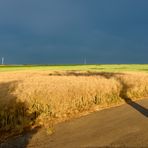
(123, 126)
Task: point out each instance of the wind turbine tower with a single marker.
(2, 60)
(85, 60)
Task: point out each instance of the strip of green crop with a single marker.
(98, 67)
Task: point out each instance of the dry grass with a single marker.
(39, 98)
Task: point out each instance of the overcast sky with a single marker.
(67, 31)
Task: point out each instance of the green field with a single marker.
(99, 67)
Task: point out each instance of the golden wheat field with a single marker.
(42, 98)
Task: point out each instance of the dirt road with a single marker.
(124, 126)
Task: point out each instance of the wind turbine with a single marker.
(3, 60)
(85, 60)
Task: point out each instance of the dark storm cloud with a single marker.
(55, 31)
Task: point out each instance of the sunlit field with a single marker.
(107, 67)
(32, 96)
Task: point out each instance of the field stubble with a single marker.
(30, 99)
